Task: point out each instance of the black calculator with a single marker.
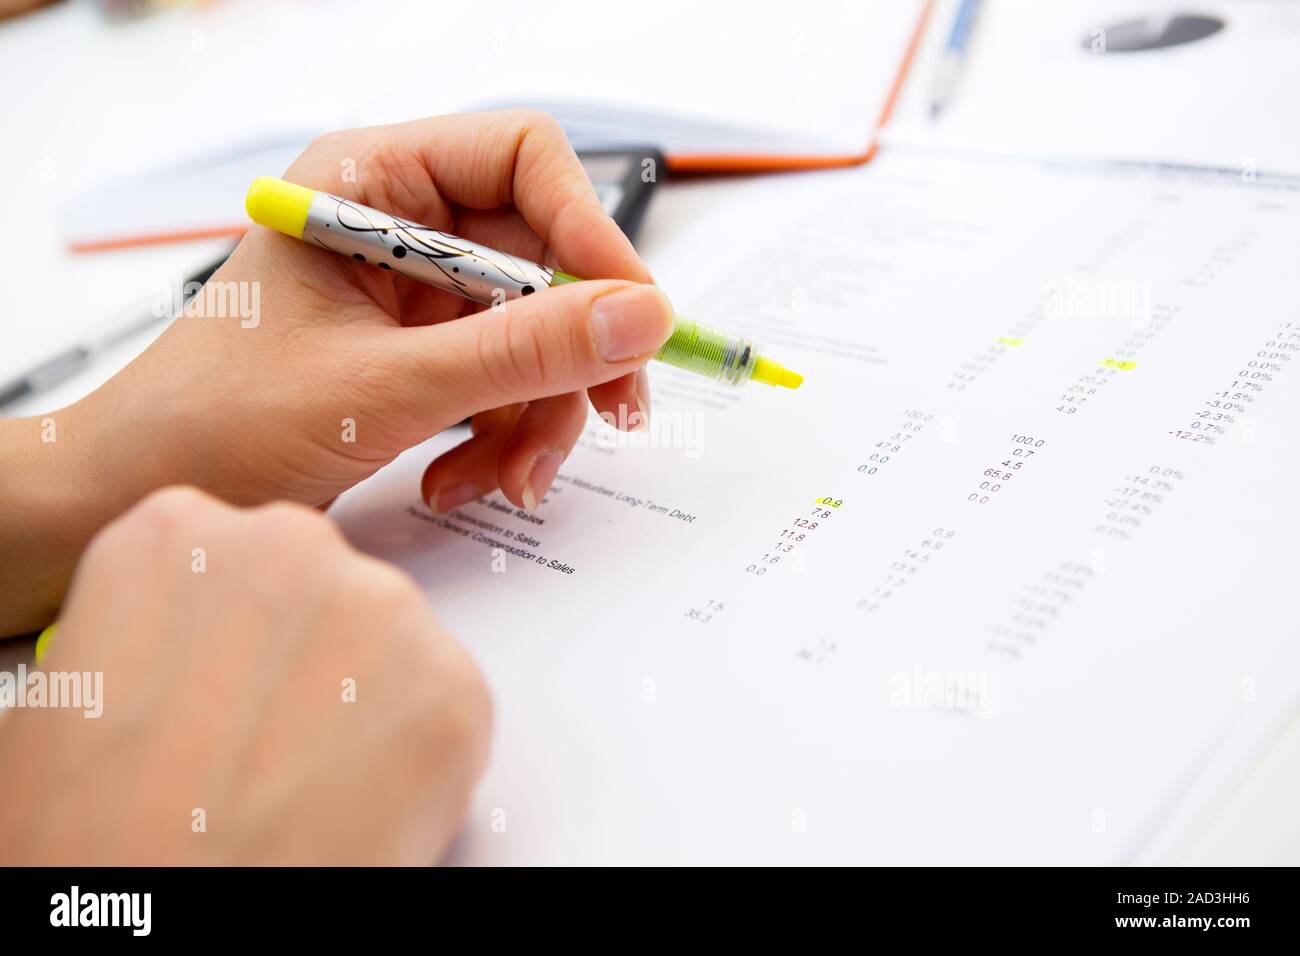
(624, 179)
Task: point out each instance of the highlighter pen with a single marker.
(476, 272)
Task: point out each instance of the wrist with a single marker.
(53, 502)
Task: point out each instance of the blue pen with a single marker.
(953, 60)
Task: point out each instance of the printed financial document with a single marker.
(1010, 579)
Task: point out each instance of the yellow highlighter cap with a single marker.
(279, 205)
(43, 642)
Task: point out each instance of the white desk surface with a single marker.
(61, 141)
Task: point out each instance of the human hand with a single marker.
(341, 366)
(346, 365)
(227, 673)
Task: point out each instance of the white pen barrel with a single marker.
(423, 253)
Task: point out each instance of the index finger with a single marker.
(523, 159)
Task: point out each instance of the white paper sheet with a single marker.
(1040, 493)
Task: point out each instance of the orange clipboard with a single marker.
(678, 163)
(706, 163)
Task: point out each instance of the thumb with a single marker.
(560, 340)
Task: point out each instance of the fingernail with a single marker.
(631, 322)
(642, 398)
(452, 496)
(545, 467)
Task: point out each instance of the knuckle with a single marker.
(165, 514)
(170, 507)
(471, 723)
(150, 528)
(463, 717)
(286, 521)
(535, 120)
(284, 548)
(532, 351)
(318, 164)
(513, 352)
(328, 143)
(576, 202)
(387, 586)
(104, 549)
(455, 714)
(385, 598)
